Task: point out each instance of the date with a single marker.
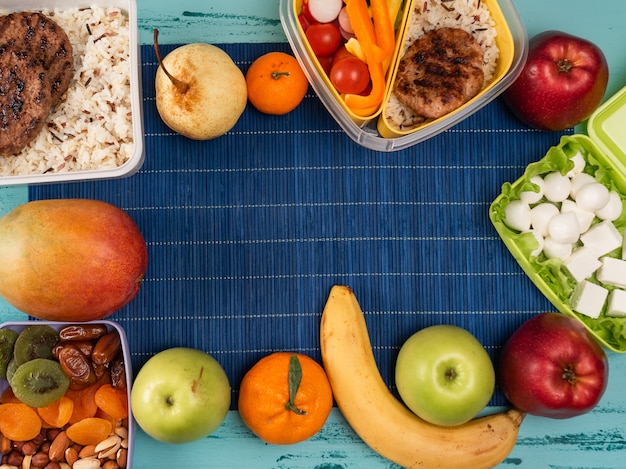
(107, 348)
(83, 332)
(77, 366)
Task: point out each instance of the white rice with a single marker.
(91, 129)
(470, 15)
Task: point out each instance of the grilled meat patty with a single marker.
(439, 72)
(25, 99)
(43, 39)
(36, 67)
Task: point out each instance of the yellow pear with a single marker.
(200, 91)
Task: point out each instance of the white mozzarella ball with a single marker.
(578, 181)
(585, 217)
(540, 216)
(563, 228)
(554, 250)
(517, 215)
(592, 196)
(556, 187)
(579, 165)
(613, 209)
(532, 197)
(540, 242)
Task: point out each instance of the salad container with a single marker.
(374, 131)
(18, 326)
(604, 152)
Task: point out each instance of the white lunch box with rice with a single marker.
(96, 131)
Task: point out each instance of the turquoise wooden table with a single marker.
(596, 440)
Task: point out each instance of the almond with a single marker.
(71, 455)
(57, 449)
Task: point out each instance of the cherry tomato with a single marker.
(350, 75)
(341, 53)
(304, 23)
(326, 61)
(324, 38)
(306, 12)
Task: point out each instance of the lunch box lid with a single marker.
(607, 128)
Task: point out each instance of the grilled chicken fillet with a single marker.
(439, 72)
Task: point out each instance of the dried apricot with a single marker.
(57, 414)
(19, 422)
(84, 402)
(112, 401)
(89, 431)
(8, 396)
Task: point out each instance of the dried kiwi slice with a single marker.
(7, 341)
(39, 382)
(11, 367)
(35, 341)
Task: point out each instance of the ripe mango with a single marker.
(70, 259)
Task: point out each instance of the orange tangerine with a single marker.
(276, 83)
(285, 398)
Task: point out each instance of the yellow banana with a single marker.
(381, 420)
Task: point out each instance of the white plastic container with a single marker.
(134, 162)
(18, 326)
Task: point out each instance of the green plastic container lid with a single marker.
(607, 128)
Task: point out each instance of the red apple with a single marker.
(553, 367)
(561, 84)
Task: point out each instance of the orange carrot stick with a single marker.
(360, 103)
(374, 56)
(383, 26)
(364, 29)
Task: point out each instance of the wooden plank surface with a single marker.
(596, 440)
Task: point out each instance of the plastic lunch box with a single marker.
(136, 159)
(606, 146)
(373, 131)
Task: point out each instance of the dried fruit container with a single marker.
(134, 140)
(19, 326)
(604, 151)
(374, 131)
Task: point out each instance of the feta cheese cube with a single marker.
(617, 304)
(602, 237)
(582, 263)
(612, 272)
(588, 299)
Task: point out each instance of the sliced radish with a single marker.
(325, 11)
(344, 21)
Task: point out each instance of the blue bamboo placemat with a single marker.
(248, 232)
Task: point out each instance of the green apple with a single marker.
(444, 375)
(180, 395)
